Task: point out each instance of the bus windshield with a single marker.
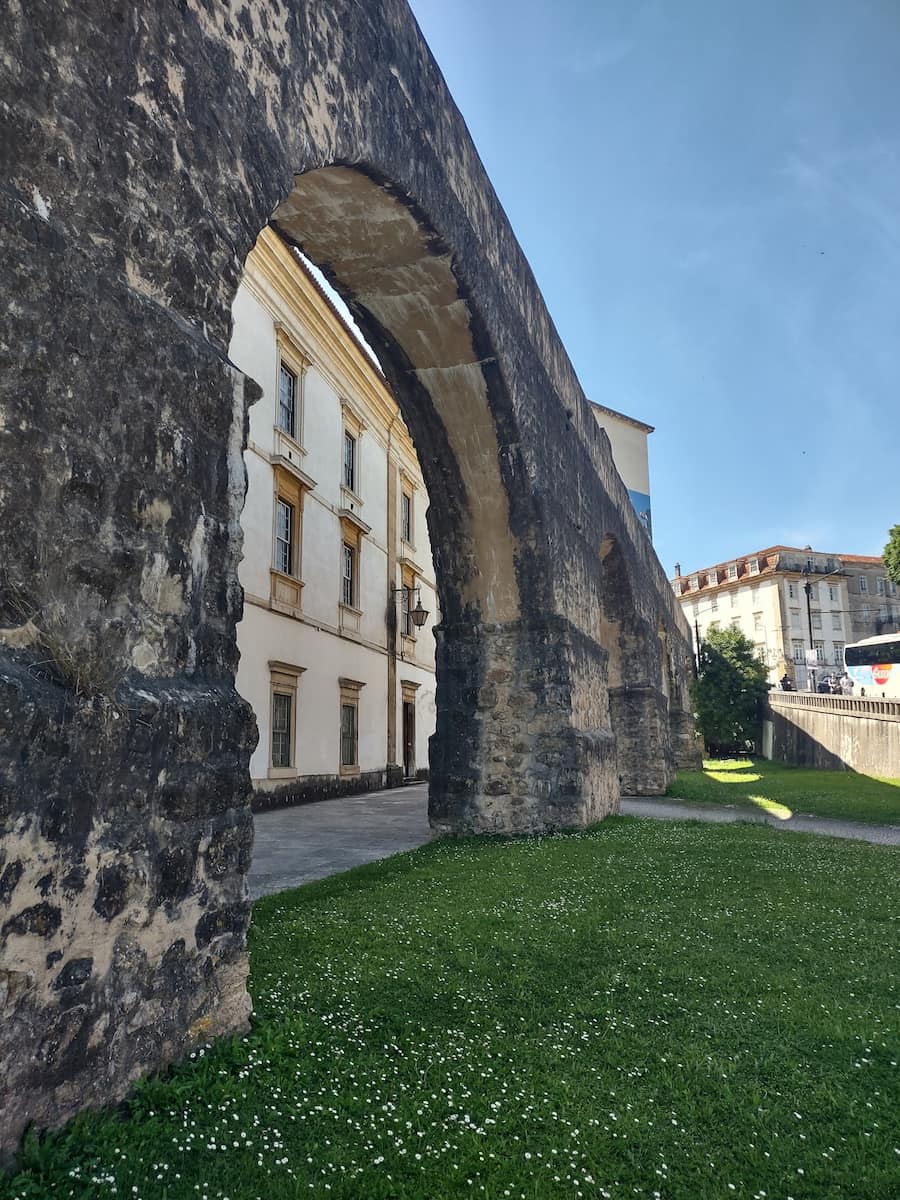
(870, 654)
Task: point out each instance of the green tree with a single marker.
(891, 555)
(728, 691)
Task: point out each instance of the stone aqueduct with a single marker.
(146, 146)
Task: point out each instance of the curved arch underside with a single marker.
(146, 155)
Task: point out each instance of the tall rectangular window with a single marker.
(879, 583)
(817, 620)
(819, 648)
(754, 566)
(349, 736)
(863, 585)
(284, 537)
(714, 603)
(839, 652)
(406, 516)
(349, 473)
(732, 571)
(734, 599)
(832, 593)
(814, 592)
(287, 400)
(792, 591)
(836, 621)
(797, 651)
(348, 576)
(865, 613)
(282, 728)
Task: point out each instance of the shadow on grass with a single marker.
(782, 790)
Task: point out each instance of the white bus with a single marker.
(874, 665)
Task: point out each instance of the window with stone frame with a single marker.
(798, 651)
(287, 519)
(284, 679)
(291, 378)
(863, 585)
(350, 690)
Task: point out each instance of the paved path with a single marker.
(681, 810)
(296, 845)
(311, 841)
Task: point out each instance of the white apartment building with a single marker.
(336, 551)
(764, 594)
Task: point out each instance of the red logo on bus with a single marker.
(882, 673)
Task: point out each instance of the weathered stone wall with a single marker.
(835, 732)
(145, 148)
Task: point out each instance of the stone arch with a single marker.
(150, 147)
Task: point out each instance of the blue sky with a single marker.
(709, 196)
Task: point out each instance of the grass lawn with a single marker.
(648, 1009)
(785, 790)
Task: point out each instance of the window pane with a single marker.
(348, 735)
(405, 623)
(287, 390)
(348, 592)
(406, 517)
(281, 730)
(284, 537)
(349, 462)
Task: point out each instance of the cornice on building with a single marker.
(619, 416)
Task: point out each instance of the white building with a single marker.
(765, 596)
(336, 549)
(628, 441)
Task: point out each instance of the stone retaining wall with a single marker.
(839, 732)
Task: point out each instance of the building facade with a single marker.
(628, 441)
(789, 602)
(874, 604)
(336, 551)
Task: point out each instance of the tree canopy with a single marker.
(727, 693)
(891, 555)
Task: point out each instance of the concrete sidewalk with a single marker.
(667, 809)
(311, 841)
